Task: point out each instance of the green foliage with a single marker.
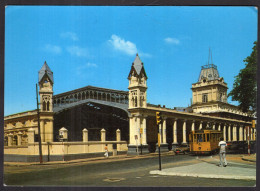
(245, 84)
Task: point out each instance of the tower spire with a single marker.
(209, 56)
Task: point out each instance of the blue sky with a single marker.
(96, 46)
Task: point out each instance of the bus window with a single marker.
(195, 138)
(203, 138)
(212, 136)
(207, 135)
(200, 138)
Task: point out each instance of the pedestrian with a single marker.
(222, 152)
(106, 151)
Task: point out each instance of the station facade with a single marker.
(96, 109)
(208, 110)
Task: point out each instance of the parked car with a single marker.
(182, 149)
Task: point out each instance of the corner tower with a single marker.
(210, 92)
(46, 105)
(137, 84)
(137, 102)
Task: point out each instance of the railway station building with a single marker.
(91, 117)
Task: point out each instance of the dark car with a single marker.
(182, 149)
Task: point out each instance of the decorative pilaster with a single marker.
(184, 141)
(224, 133)
(138, 126)
(103, 135)
(144, 138)
(201, 122)
(31, 135)
(118, 135)
(85, 135)
(229, 132)
(175, 132)
(118, 139)
(240, 133)
(48, 128)
(10, 139)
(19, 138)
(193, 125)
(234, 132)
(164, 131)
(219, 127)
(42, 123)
(131, 131)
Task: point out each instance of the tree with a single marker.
(245, 84)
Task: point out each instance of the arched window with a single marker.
(44, 106)
(48, 106)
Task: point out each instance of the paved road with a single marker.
(129, 172)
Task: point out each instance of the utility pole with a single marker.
(39, 129)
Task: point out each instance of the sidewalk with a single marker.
(111, 158)
(207, 168)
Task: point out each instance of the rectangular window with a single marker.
(220, 97)
(207, 135)
(195, 137)
(204, 98)
(200, 138)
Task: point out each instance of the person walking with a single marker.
(106, 151)
(222, 152)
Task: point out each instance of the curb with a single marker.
(203, 175)
(248, 159)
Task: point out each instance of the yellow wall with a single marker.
(56, 148)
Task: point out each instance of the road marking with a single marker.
(113, 179)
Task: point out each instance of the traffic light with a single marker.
(158, 118)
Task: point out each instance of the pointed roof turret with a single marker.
(138, 64)
(45, 70)
(137, 67)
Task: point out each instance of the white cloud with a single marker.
(82, 68)
(121, 45)
(70, 35)
(53, 48)
(78, 51)
(172, 40)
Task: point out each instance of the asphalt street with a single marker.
(128, 172)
